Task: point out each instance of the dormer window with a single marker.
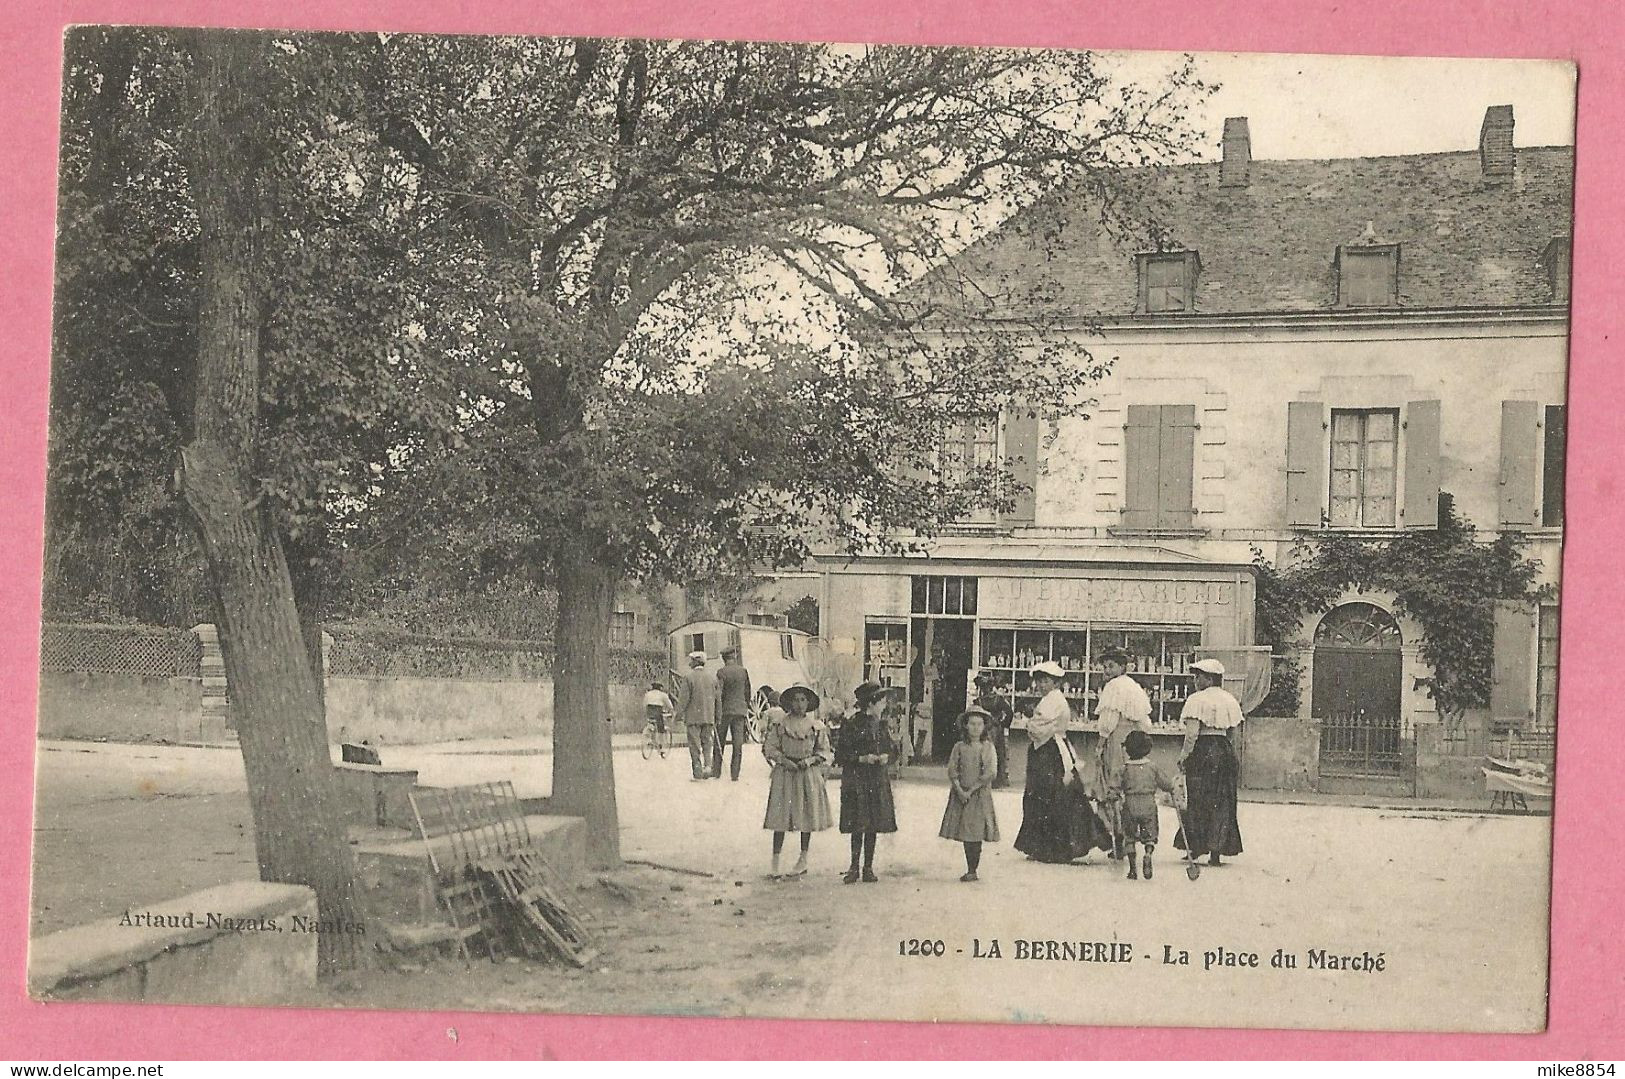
(1168, 282)
(1555, 259)
(1368, 275)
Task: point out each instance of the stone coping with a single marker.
(373, 769)
(98, 949)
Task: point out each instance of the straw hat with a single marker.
(1209, 666)
(868, 691)
(805, 691)
(1051, 668)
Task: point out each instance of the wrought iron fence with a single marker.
(1363, 744)
(158, 651)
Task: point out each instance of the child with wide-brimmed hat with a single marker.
(972, 766)
(798, 747)
(863, 750)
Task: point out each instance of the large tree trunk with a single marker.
(299, 834)
(583, 759)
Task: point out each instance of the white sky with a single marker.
(1365, 106)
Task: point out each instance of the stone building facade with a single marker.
(1316, 346)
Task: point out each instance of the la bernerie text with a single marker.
(1101, 951)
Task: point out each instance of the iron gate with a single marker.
(1362, 743)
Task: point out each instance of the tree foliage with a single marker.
(697, 255)
(355, 379)
(1447, 579)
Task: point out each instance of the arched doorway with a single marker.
(1357, 690)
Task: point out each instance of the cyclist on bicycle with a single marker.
(657, 707)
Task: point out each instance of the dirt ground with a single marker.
(1454, 902)
(669, 944)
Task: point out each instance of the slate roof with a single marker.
(1270, 246)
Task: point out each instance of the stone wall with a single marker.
(1280, 754)
(120, 707)
(1448, 770)
(243, 943)
(395, 710)
(401, 710)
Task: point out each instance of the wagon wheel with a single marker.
(755, 717)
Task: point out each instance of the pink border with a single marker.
(1588, 957)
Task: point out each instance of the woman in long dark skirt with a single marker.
(864, 751)
(1058, 823)
(1210, 766)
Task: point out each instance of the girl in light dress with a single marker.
(972, 766)
(798, 747)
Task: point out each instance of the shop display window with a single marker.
(886, 652)
(1159, 659)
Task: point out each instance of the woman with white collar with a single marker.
(1048, 810)
(1210, 766)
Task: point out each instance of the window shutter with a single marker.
(1552, 470)
(1176, 460)
(1305, 463)
(1021, 463)
(1142, 448)
(1422, 464)
(1512, 689)
(1520, 484)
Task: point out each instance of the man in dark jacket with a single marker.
(733, 705)
(698, 690)
(991, 701)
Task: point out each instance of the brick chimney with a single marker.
(1495, 143)
(1238, 152)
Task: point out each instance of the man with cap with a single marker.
(699, 693)
(1211, 769)
(733, 706)
(1000, 715)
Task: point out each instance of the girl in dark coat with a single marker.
(864, 750)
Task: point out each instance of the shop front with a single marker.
(932, 624)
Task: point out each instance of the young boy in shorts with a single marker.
(1136, 785)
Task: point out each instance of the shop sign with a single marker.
(1102, 599)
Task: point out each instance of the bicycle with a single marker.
(656, 741)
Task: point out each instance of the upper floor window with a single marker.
(759, 618)
(942, 595)
(623, 629)
(967, 444)
(1368, 275)
(1363, 454)
(1168, 282)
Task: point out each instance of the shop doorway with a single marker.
(1357, 692)
(938, 680)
